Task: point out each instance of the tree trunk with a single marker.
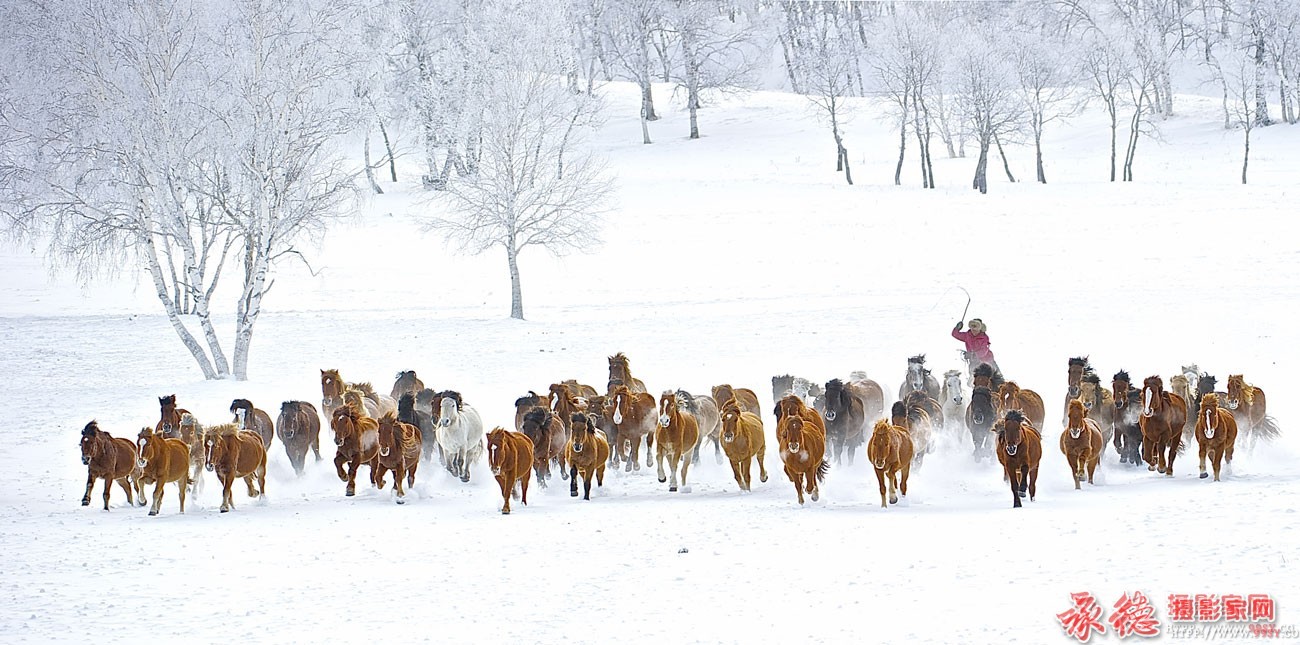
(645, 130)
(692, 79)
(1134, 132)
(648, 102)
(902, 149)
(844, 156)
(661, 48)
(1038, 153)
(1002, 153)
(516, 291)
(789, 66)
(388, 150)
(173, 316)
(1114, 134)
(370, 169)
(981, 182)
(1245, 157)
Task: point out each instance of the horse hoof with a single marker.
(893, 500)
(1205, 475)
(505, 511)
(349, 493)
(671, 489)
(815, 496)
(85, 502)
(663, 479)
(225, 510)
(1150, 468)
(401, 501)
(152, 513)
(573, 493)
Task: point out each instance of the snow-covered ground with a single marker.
(731, 259)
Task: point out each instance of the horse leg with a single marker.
(398, 476)
(227, 499)
(1173, 452)
(762, 469)
(248, 479)
(649, 445)
(351, 479)
(880, 481)
(377, 478)
(1033, 482)
(339, 460)
(90, 483)
(736, 471)
(906, 469)
(129, 486)
(523, 488)
(573, 481)
(631, 449)
(745, 466)
(108, 489)
(157, 497)
(1201, 452)
(717, 447)
(586, 484)
(503, 482)
(1010, 475)
(686, 467)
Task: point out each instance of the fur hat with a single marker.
(976, 322)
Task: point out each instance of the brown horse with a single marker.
(872, 395)
(510, 454)
(1073, 380)
(1020, 448)
(802, 448)
(580, 390)
(232, 453)
(792, 405)
(163, 461)
(620, 374)
(356, 440)
(633, 414)
(676, 437)
(742, 441)
(890, 452)
(743, 395)
(299, 429)
(586, 454)
(253, 419)
(112, 459)
(548, 438)
(1099, 403)
(399, 451)
(564, 403)
(526, 403)
(332, 387)
(1216, 433)
(985, 376)
(1162, 419)
(846, 419)
(169, 418)
(1013, 397)
(1250, 409)
(1081, 442)
(407, 382)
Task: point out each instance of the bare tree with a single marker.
(1107, 70)
(989, 101)
(717, 54)
(1238, 78)
(1047, 82)
(826, 74)
(535, 185)
(627, 29)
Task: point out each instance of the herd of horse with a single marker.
(574, 430)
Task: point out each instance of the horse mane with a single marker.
(1210, 400)
(981, 391)
(406, 373)
(1122, 375)
(1081, 361)
(389, 418)
(333, 374)
(919, 358)
(365, 388)
(984, 369)
(224, 430)
(532, 399)
(858, 375)
(1205, 383)
(951, 373)
(241, 403)
(455, 396)
(1014, 416)
(579, 417)
(90, 429)
(406, 403)
(170, 399)
(537, 415)
(618, 358)
(834, 384)
(425, 396)
(1247, 390)
(899, 409)
(1091, 377)
(687, 402)
(882, 424)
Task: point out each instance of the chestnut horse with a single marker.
(1081, 442)
(586, 454)
(1013, 397)
(918, 377)
(846, 419)
(1128, 406)
(890, 452)
(169, 420)
(743, 441)
(356, 441)
(1216, 433)
(253, 419)
(112, 459)
(399, 451)
(299, 429)
(676, 437)
(744, 396)
(1250, 409)
(707, 417)
(232, 453)
(407, 383)
(633, 414)
(802, 448)
(619, 374)
(510, 455)
(548, 438)
(981, 414)
(163, 461)
(1020, 448)
(1073, 379)
(580, 390)
(564, 402)
(792, 405)
(1162, 419)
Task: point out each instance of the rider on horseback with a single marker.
(977, 346)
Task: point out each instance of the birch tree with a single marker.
(717, 53)
(826, 74)
(989, 101)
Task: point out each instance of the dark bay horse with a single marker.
(846, 419)
(510, 455)
(112, 459)
(621, 374)
(253, 419)
(1128, 407)
(1020, 448)
(299, 429)
(169, 420)
(586, 454)
(407, 412)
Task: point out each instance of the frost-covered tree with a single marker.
(1107, 69)
(988, 95)
(1046, 73)
(536, 184)
(718, 50)
(825, 70)
(627, 29)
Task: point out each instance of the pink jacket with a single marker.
(977, 345)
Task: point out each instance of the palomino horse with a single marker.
(548, 438)
(232, 453)
(743, 440)
(192, 434)
(1250, 409)
(1128, 406)
(332, 387)
(744, 396)
(802, 446)
(620, 374)
(1013, 397)
(1216, 433)
(633, 414)
(407, 383)
(253, 419)
(112, 459)
(586, 454)
(399, 451)
(1020, 448)
(460, 434)
(675, 437)
(163, 461)
(1081, 442)
(954, 400)
(169, 420)
(890, 452)
(920, 428)
(707, 417)
(299, 429)
(1178, 384)
(1162, 419)
(407, 412)
(919, 378)
(356, 441)
(1099, 403)
(846, 419)
(510, 455)
(981, 414)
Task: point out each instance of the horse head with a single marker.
(496, 440)
(1205, 384)
(91, 446)
(1153, 389)
(835, 399)
(1210, 409)
(789, 405)
(1090, 390)
(1075, 416)
(214, 444)
(145, 446)
(1012, 435)
(952, 385)
(344, 423)
(534, 423)
(388, 438)
(449, 408)
(1077, 366)
(667, 408)
(1239, 392)
(1120, 385)
(794, 433)
(580, 431)
(289, 418)
(621, 401)
(981, 406)
(331, 386)
(880, 443)
(730, 420)
(916, 372)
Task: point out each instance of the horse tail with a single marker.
(822, 469)
(1268, 429)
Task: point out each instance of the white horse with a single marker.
(460, 434)
(954, 401)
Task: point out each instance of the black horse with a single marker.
(980, 417)
(408, 413)
(845, 416)
(1128, 433)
